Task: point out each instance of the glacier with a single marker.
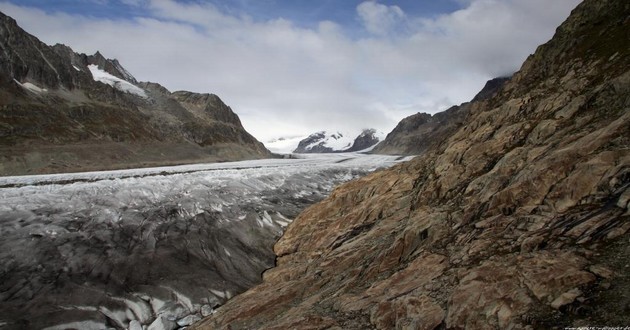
(153, 245)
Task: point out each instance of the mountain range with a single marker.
(61, 111)
(327, 142)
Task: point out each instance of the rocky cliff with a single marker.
(519, 219)
(61, 111)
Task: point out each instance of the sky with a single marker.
(293, 67)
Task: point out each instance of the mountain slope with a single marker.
(519, 218)
(419, 132)
(62, 111)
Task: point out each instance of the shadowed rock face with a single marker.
(54, 117)
(310, 140)
(519, 217)
(491, 87)
(366, 139)
(420, 132)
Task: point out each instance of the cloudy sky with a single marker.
(293, 67)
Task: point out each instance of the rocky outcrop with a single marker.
(61, 111)
(518, 219)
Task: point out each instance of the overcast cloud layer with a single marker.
(283, 79)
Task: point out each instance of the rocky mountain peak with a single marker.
(28, 60)
(491, 87)
(368, 138)
(111, 66)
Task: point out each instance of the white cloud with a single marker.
(286, 80)
(133, 2)
(378, 18)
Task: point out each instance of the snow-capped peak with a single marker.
(327, 142)
(336, 141)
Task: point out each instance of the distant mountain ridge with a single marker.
(63, 111)
(417, 133)
(330, 142)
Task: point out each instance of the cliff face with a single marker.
(520, 217)
(61, 111)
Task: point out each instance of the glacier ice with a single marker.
(123, 246)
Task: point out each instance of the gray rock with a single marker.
(135, 325)
(188, 320)
(206, 310)
(162, 323)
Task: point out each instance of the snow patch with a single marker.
(267, 218)
(282, 221)
(76, 68)
(221, 294)
(31, 87)
(120, 84)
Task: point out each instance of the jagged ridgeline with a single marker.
(61, 111)
(518, 218)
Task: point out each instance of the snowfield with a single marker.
(120, 84)
(140, 246)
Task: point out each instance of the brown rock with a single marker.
(566, 298)
(407, 313)
(489, 296)
(549, 274)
